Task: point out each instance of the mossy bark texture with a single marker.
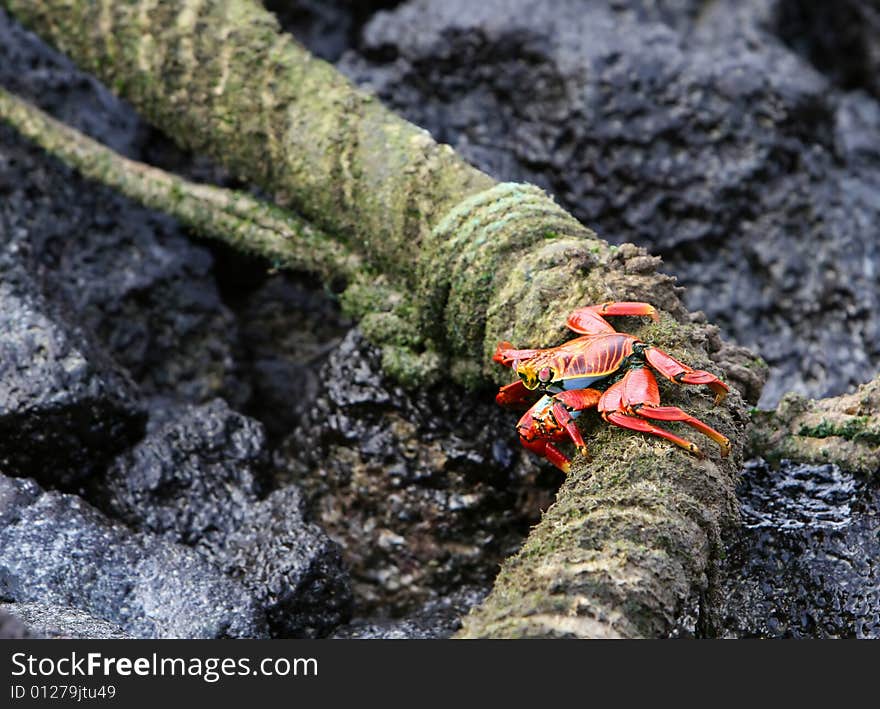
(458, 262)
(232, 216)
(844, 430)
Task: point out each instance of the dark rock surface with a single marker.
(437, 619)
(192, 477)
(695, 131)
(65, 407)
(425, 492)
(196, 481)
(128, 274)
(11, 628)
(58, 550)
(290, 565)
(326, 27)
(45, 621)
(841, 39)
(42, 75)
(806, 564)
(135, 287)
(288, 327)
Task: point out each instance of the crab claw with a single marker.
(698, 376)
(506, 355)
(499, 355)
(680, 373)
(514, 395)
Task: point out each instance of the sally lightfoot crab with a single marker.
(603, 369)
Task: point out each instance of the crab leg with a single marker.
(514, 395)
(538, 430)
(545, 448)
(636, 397)
(637, 424)
(673, 413)
(571, 402)
(551, 419)
(590, 320)
(507, 355)
(680, 373)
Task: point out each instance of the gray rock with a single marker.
(704, 137)
(806, 563)
(127, 275)
(841, 39)
(58, 550)
(47, 621)
(137, 288)
(46, 77)
(293, 569)
(288, 329)
(326, 27)
(437, 619)
(196, 481)
(15, 495)
(191, 478)
(65, 407)
(422, 500)
(11, 628)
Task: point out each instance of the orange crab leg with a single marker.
(637, 424)
(640, 396)
(545, 448)
(538, 430)
(673, 413)
(680, 373)
(637, 395)
(514, 395)
(574, 401)
(637, 384)
(551, 419)
(590, 320)
(507, 355)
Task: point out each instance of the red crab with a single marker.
(605, 369)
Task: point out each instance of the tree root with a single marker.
(229, 215)
(844, 430)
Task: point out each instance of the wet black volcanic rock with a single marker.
(196, 481)
(11, 628)
(65, 407)
(704, 137)
(31, 69)
(326, 27)
(426, 492)
(288, 327)
(139, 289)
(60, 551)
(45, 621)
(439, 618)
(192, 477)
(841, 39)
(293, 569)
(806, 563)
(127, 274)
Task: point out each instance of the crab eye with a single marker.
(545, 374)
